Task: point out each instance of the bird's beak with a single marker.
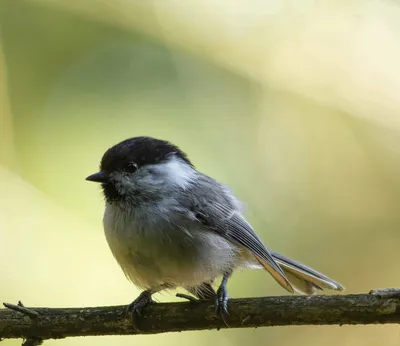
(99, 177)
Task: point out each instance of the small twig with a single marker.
(189, 298)
(22, 309)
(32, 315)
(386, 292)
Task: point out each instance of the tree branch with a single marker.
(382, 306)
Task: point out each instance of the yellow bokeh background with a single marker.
(294, 104)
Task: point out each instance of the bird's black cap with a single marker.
(140, 151)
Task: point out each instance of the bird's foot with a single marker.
(135, 308)
(221, 303)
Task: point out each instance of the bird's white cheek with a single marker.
(177, 173)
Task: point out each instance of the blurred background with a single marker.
(294, 104)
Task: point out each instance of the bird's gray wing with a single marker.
(218, 215)
(214, 205)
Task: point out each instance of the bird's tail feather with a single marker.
(303, 278)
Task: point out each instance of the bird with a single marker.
(170, 226)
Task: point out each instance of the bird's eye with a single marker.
(131, 167)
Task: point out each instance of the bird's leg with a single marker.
(135, 308)
(221, 302)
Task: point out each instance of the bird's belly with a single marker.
(172, 257)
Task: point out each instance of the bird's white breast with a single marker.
(155, 253)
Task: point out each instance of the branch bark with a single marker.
(380, 307)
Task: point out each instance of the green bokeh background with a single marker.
(320, 182)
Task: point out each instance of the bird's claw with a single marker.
(221, 304)
(135, 308)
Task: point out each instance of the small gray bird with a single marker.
(169, 226)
